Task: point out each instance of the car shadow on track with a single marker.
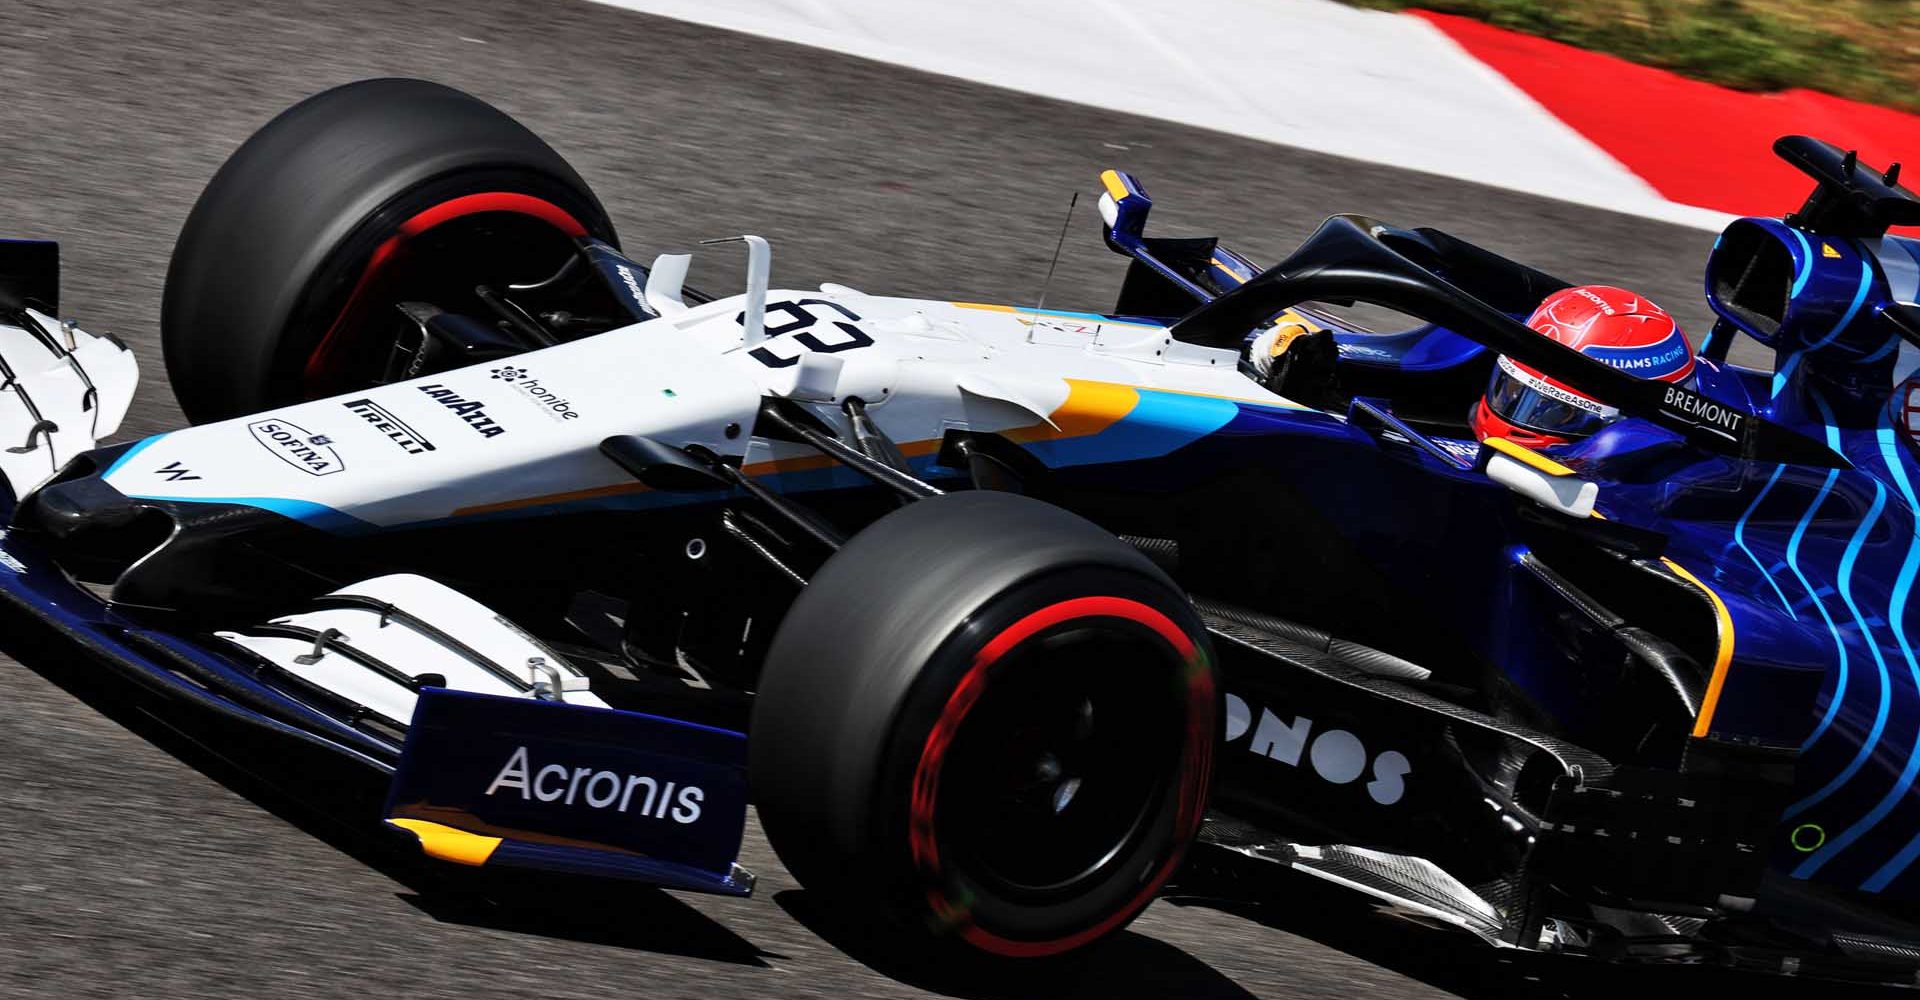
(346, 818)
(1127, 965)
(1459, 963)
(609, 914)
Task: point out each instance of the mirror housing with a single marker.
(661, 466)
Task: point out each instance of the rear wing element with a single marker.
(1849, 198)
(1353, 258)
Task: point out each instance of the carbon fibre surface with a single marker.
(1230, 624)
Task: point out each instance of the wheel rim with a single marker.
(1052, 776)
(428, 257)
(1054, 757)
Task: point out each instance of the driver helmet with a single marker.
(1605, 323)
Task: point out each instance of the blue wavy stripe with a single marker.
(1813, 862)
(1859, 296)
(1799, 282)
(1879, 880)
(1840, 648)
(1896, 616)
(1884, 349)
(1806, 263)
(1740, 539)
(1063, 314)
(305, 511)
(125, 456)
(1158, 423)
(1793, 563)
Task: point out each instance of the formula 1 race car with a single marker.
(1003, 617)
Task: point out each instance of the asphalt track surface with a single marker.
(133, 864)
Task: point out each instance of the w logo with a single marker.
(175, 472)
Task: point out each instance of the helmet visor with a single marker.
(1535, 405)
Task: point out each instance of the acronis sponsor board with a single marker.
(576, 776)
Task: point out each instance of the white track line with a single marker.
(1373, 86)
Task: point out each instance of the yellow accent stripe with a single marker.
(1115, 186)
(1090, 317)
(807, 463)
(1229, 272)
(1527, 456)
(1722, 657)
(1298, 319)
(1091, 407)
(617, 489)
(449, 844)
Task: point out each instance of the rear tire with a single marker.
(986, 722)
(339, 200)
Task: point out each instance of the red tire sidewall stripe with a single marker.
(492, 201)
(1197, 763)
(465, 205)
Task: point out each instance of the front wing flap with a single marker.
(543, 784)
(695, 809)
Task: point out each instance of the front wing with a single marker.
(454, 778)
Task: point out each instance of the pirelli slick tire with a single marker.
(355, 199)
(986, 723)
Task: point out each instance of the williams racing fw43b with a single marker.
(1002, 617)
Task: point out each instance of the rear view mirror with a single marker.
(1902, 318)
(660, 466)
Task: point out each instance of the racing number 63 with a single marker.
(802, 319)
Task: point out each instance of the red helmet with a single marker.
(1602, 322)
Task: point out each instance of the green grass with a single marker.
(1863, 49)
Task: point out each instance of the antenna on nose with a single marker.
(1057, 247)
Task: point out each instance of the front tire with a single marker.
(344, 204)
(986, 722)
